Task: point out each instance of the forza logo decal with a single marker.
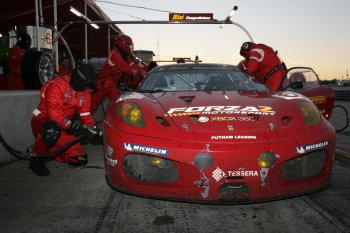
(259, 110)
(147, 149)
(225, 137)
(306, 148)
(218, 174)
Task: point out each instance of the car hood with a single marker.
(218, 115)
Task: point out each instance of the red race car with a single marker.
(208, 133)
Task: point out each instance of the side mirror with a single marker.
(296, 85)
(124, 87)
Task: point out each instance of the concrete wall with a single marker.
(16, 108)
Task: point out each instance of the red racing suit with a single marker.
(263, 62)
(139, 71)
(58, 102)
(108, 77)
(63, 70)
(14, 58)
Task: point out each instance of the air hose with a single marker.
(27, 155)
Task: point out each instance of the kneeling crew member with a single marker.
(54, 124)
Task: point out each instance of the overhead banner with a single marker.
(190, 16)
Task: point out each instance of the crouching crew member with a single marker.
(54, 123)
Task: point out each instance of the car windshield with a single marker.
(198, 79)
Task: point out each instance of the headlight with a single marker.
(266, 159)
(310, 113)
(131, 114)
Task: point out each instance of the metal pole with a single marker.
(221, 22)
(54, 34)
(86, 42)
(109, 39)
(37, 24)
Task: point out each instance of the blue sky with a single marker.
(313, 33)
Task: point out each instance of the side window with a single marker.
(300, 78)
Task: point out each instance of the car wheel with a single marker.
(37, 68)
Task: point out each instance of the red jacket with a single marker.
(260, 61)
(59, 102)
(115, 64)
(114, 69)
(14, 58)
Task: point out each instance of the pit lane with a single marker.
(79, 200)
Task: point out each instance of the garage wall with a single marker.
(16, 109)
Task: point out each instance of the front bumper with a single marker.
(168, 169)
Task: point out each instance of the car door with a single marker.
(305, 81)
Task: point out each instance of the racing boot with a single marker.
(78, 161)
(38, 166)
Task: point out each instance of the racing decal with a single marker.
(242, 173)
(318, 99)
(229, 137)
(68, 95)
(147, 149)
(263, 174)
(203, 182)
(81, 99)
(182, 114)
(233, 118)
(190, 16)
(133, 95)
(111, 162)
(288, 95)
(310, 147)
(203, 119)
(218, 174)
(256, 110)
(109, 61)
(108, 156)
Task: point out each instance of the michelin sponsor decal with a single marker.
(147, 149)
(311, 147)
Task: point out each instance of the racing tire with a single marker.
(340, 118)
(37, 68)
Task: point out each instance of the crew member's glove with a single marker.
(50, 133)
(74, 127)
(77, 129)
(93, 131)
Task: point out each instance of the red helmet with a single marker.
(125, 43)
